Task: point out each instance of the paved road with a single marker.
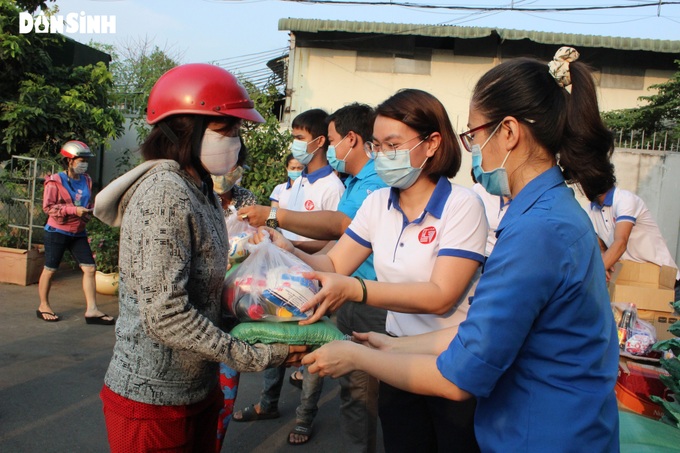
(51, 374)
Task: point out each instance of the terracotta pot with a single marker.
(106, 283)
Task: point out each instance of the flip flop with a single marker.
(100, 320)
(249, 414)
(301, 430)
(296, 381)
(41, 315)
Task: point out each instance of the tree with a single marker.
(135, 66)
(660, 113)
(43, 104)
(267, 145)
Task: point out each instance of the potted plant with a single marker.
(104, 241)
(21, 220)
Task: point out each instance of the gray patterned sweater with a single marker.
(173, 245)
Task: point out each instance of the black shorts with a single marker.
(56, 244)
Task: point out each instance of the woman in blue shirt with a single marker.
(538, 349)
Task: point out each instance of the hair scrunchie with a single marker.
(559, 66)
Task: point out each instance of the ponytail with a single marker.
(567, 125)
(588, 145)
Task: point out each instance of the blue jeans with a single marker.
(312, 385)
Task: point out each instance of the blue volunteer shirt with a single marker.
(539, 347)
(357, 188)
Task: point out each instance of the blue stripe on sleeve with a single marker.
(462, 254)
(626, 218)
(358, 238)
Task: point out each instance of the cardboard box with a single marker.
(636, 382)
(643, 298)
(661, 322)
(647, 275)
(21, 267)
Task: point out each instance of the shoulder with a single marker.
(461, 195)
(54, 178)
(243, 197)
(626, 196)
(167, 187)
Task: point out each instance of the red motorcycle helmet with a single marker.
(75, 148)
(199, 89)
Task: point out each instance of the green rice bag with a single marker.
(316, 334)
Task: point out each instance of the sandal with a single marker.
(296, 378)
(300, 429)
(250, 414)
(100, 320)
(41, 315)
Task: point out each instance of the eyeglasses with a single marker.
(389, 150)
(467, 136)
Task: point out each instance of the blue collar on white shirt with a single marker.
(608, 200)
(318, 174)
(435, 206)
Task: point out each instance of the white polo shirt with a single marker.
(645, 244)
(281, 194)
(452, 224)
(495, 208)
(317, 191)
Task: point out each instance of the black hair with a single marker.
(568, 125)
(314, 122)
(289, 157)
(356, 117)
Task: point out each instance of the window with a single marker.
(395, 63)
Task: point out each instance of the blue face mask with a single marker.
(495, 181)
(294, 174)
(398, 172)
(333, 161)
(299, 150)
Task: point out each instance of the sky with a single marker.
(229, 32)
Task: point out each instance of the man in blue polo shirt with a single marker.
(348, 129)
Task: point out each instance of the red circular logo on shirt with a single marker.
(427, 235)
(309, 205)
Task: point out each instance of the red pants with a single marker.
(135, 427)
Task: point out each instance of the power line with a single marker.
(657, 4)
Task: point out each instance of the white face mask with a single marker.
(80, 168)
(219, 153)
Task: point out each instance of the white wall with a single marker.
(655, 177)
(127, 141)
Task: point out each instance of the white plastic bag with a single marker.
(269, 286)
(239, 232)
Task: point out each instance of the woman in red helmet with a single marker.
(161, 389)
(68, 205)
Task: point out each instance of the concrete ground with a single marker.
(51, 375)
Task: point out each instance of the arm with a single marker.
(322, 225)
(434, 342)
(59, 211)
(416, 373)
(310, 246)
(618, 247)
(436, 296)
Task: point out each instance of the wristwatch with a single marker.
(271, 221)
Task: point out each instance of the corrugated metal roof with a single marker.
(452, 31)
